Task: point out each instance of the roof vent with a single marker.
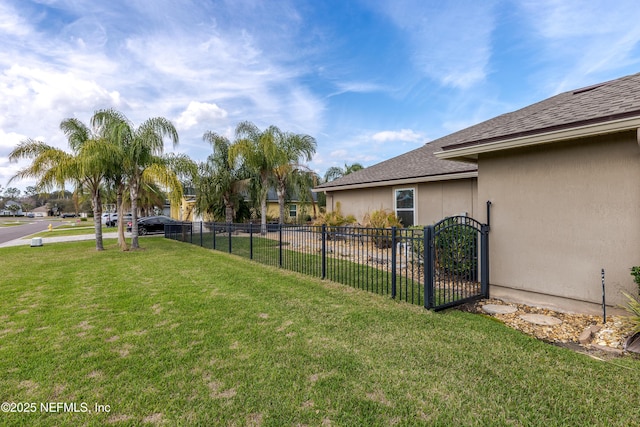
(587, 89)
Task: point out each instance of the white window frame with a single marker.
(415, 202)
(293, 208)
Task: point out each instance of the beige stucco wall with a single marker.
(434, 200)
(559, 214)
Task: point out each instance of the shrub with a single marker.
(456, 249)
(334, 220)
(377, 222)
(633, 303)
(417, 244)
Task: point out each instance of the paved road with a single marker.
(19, 231)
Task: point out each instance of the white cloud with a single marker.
(450, 44)
(30, 97)
(10, 139)
(586, 42)
(406, 135)
(11, 22)
(200, 113)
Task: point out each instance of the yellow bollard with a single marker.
(50, 227)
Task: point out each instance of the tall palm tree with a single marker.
(221, 179)
(335, 172)
(259, 152)
(86, 166)
(291, 147)
(141, 149)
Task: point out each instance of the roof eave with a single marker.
(470, 153)
(405, 181)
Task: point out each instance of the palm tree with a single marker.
(140, 150)
(220, 179)
(291, 148)
(86, 167)
(260, 153)
(335, 172)
(303, 181)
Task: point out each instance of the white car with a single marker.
(111, 219)
(108, 217)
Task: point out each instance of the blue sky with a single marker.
(368, 79)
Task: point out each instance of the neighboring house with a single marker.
(294, 207)
(417, 186)
(7, 211)
(41, 212)
(563, 177)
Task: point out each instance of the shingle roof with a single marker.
(602, 102)
(415, 164)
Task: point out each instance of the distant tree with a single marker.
(11, 193)
(13, 207)
(258, 150)
(293, 148)
(272, 155)
(27, 207)
(336, 172)
(220, 181)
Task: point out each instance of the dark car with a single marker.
(68, 215)
(153, 224)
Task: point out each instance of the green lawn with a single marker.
(72, 229)
(180, 335)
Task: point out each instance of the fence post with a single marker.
(280, 244)
(200, 233)
(229, 231)
(428, 266)
(250, 240)
(484, 256)
(191, 234)
(214, 234)
(393, 262)
(324, 251)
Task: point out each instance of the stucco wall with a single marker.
(434, 200)
(559, 214)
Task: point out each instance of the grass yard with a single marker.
(180, 335)
(72, 229)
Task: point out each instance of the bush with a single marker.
(633, 303)
(417, 244)
(334, 220)
(378, 222)
(456, 249)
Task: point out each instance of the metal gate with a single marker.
(456, 262)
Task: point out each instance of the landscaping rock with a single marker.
(541, 319)
(498, 309)
(587, 335)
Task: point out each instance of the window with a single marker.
(293, 211)
(405, 205)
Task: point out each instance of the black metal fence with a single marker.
(386, 261)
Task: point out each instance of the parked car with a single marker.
(68, 215)
(107, 217)
(153, 224)
(112, 219)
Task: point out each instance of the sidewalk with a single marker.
(26, 241)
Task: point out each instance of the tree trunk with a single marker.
(263, 213)
(121, 226)
(228, 211)
(134, 214)
(281, 193)
(97, 219)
